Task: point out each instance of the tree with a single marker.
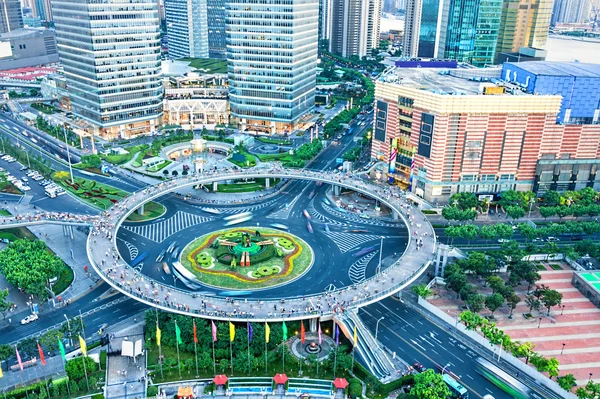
(515, 211)
(488, 232)
(539, 361)
(421, 290)
(464, 200)
(75, 370)
(429, 385)
(524, 349)
(552, 367)
(551, 298)
(174, 173)
(551, 198)
(548, 211)
(92, 160)
(475, 302)
(504, 230)
(5, 305)
(567, 382)
(531, 277)
(496, 283)
(527, 231)
(166, 172)
(512, 301)
(533, 303)
(76, 327)
(456, 281)
(6, 351)
(493, 302)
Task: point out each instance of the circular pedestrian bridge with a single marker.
(104, 257)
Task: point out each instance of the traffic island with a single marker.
(247, 258)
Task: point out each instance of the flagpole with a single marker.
(283, 356)
(248, 350)
(87, 382)
(178, 358)
(82, 327)
(214, 338)
(214, 360)
(159, 350)
(196, 349)
(43, 363)
(335, 361)
(266, 339)
(230, 349)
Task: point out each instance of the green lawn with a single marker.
(65, 279)
(45, 108)
(9, 236)
(269, 140)
(4, 212)
(160, 166)
(249, 161)
(208, 64)
(137, 162)
(152, 210)
(258, 184)
(120, 159)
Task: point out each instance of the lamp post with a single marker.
(68, 153)
(377, 326)
(563, 348)
(444, 368)
(563, 309)
(590, 377)
(540, 322)
(380, 254)
(69, 327)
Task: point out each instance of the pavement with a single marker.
(126, 375)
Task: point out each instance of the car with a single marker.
(23, 168)
(538, 239)
(552, 239)
(503, 240)
(24, 179)
(29, 319)
(339, 137)
(419, 367)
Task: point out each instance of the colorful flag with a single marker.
(214, 331)
(83, 346)
(19, 358)
(337, 335)
(249, 332)
(231, 331)
(158, 335)
(1, 375)
(284, 331)
(178, 334)
(195, 337)
(320, 338)
(267, 332)
(355, 336)
(302, 332)
(41, 351)
(61, 348)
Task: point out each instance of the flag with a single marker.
(83, 346)
(61, 348)
(231, 331)
(1, 375)
(302, 332)
(284, 331)
(214, 331)
(249, 332)
(195, 337)
(19, 358)
(178, 334)
(355, 336)
(320, 338)
(267, 332)
(337, 335)
(158, 334)
(41, 351)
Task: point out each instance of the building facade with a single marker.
(29, 47)
(448, 134)
(354, 27)
(110, 50)
(11, 17)
(524, 23)
(187, 28)
(570, 11)
(272, 62)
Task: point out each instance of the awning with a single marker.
(340, 383)
(220, 379)
(185, 392)
(280, 379)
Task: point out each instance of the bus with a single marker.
(503, 380)
(457, 390)
(139, 259)
(306, 214)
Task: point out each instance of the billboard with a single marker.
(393, 155)
(381, 120)
(425, 135)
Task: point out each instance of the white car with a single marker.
(29, 319)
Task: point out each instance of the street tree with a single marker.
(551, 298)
(475, 302)
(456, 281)
(551, 198)
(515, 212)
(421, 290)
(548, 211)
(488, 232)
(533, 303)
(495, 282)
(524, 349)
(504, 230)
(531, 277)
(567, 382)
(464, 200)
(92, 160)
(493, 302)
(539, 361)
(6, 351)
(5, 305)
(512, 302)
(552, 367)
(429, 385)
(527, 231)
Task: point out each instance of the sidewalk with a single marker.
(125, 378)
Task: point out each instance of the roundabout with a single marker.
(247, 259)
(306, 300)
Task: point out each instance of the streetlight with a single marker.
(444, 368)
(68, 153)
(540, 322)
(590, 377)
(377, 327)
(563, 309)
(380, 254)
(563, 348)
(69, 327)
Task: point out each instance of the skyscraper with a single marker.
(11, 17)
(272, 62)
(524, 23)
(110, 50)
(571, 11)
(354, 27)
(325, 19)
(196, 28)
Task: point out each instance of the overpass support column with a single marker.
(140, 210)
(267, 182)
(395, 215)
(215, 186)
(71, 231)
(336, 190)
(313, 325)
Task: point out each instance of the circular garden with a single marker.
(247, 258)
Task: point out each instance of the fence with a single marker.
(493, 349)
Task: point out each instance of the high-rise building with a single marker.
(524, 23)
(570, 11)
(11, 17)
(110, 50)
(272, 62)
(354, 27)
(195, 28)
(412, 26)
(325, 7)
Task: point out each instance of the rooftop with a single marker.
(23, 32)
(576, 69)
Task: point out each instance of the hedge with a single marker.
(152, 391)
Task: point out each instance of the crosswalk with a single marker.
(160, 231)
(352, 217)
(347, 241)
(231, 211)
(322, 218)
(357, 271)
(133, 250)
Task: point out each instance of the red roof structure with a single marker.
(220, 379)
(340, 383)
(280, 379)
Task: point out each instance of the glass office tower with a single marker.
(110, 50)
(187, 28)
(429, 28)
(272, 62)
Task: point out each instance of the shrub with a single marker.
(98, 395)
(103, 359)
(355, 390)
(152, 391)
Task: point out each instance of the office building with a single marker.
(28, 47)
(272, 62)
(458, 132)
(11, 17)
(354, 27)
(187, 28)
(110, 50)
(325, 9)
(216, 28)
(524, 23)
(571, 11)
